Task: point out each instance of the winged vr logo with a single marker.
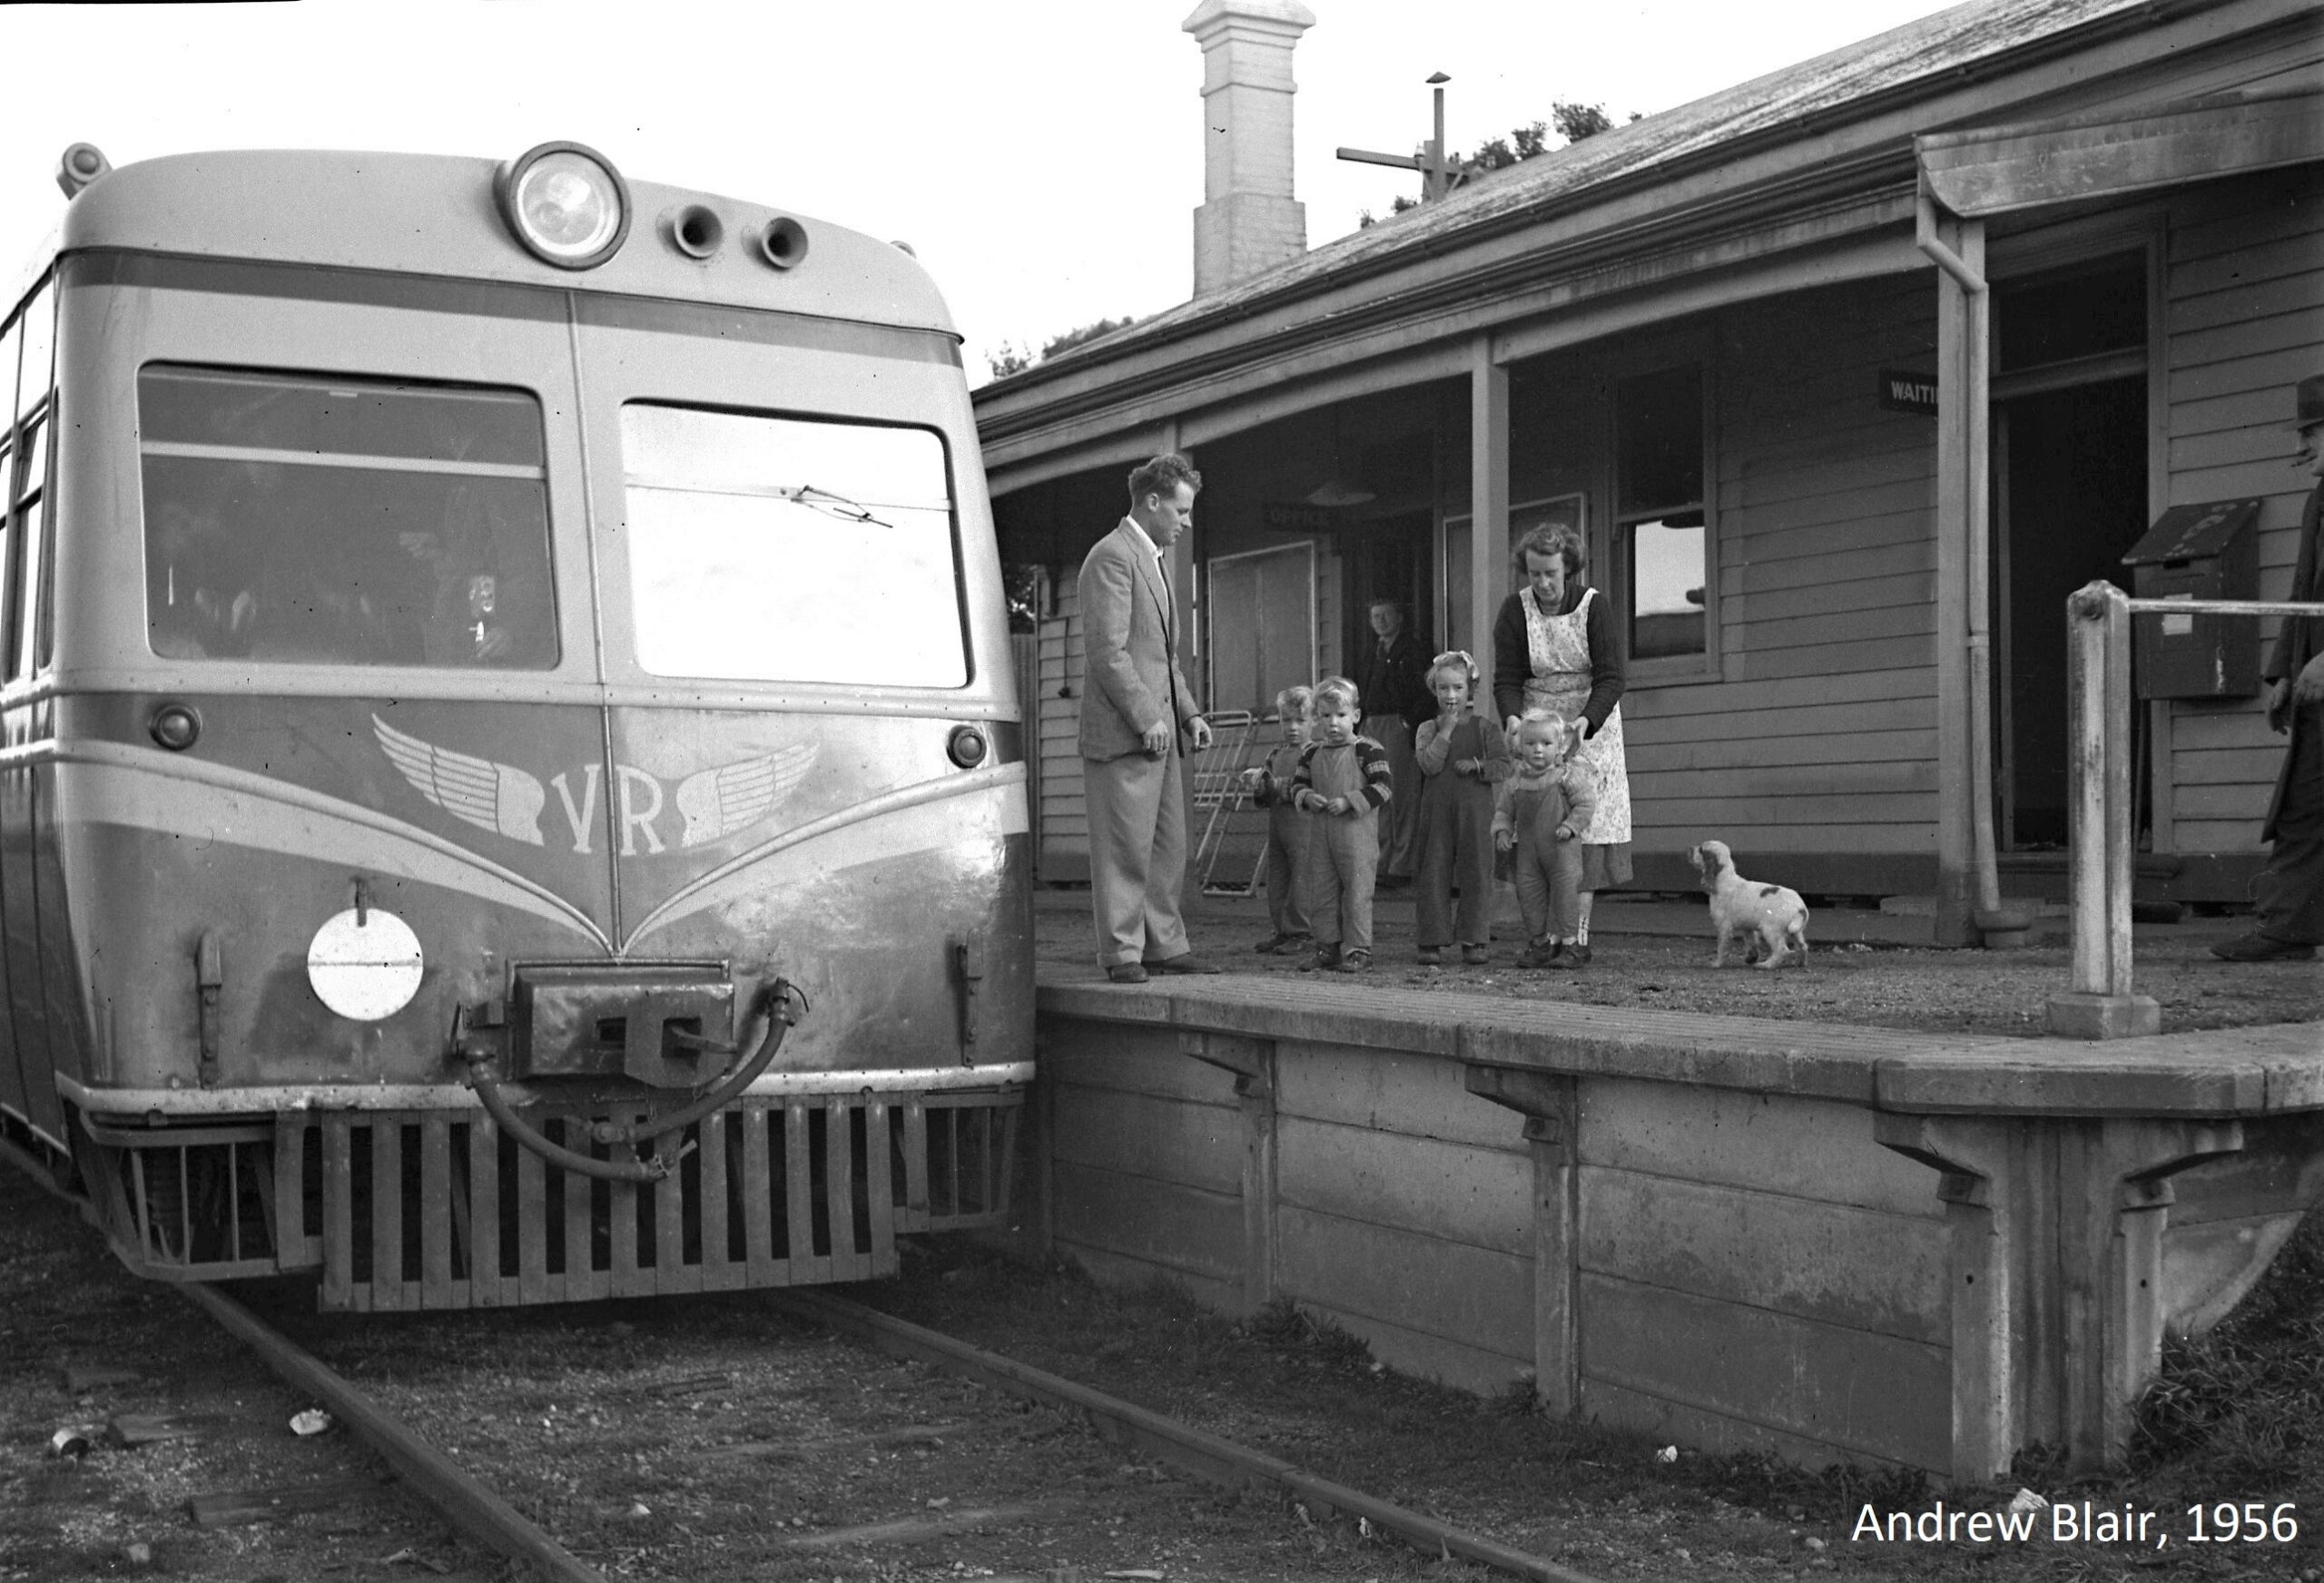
(713, 803)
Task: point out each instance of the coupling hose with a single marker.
(776, 1007)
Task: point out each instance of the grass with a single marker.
(2238, 1414)
(2245, 1404)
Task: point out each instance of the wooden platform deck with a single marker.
(2228, 1072)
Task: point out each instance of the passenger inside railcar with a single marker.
(293, 522)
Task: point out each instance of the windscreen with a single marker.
(789, 549)
(336, 521)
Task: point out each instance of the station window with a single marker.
(785, 549)
(325, 520)
(1661, 532)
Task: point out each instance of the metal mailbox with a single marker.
(2197, 552)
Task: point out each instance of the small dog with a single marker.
(1768, 919)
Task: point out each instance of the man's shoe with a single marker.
(1274, 943)
(1126, 973)
(1576, 956)
(1536, 954)
(2260, 947)
(1430, 957)
(1474, 954)
(1184, 962)
(1295, 945)
(1326, 957)
(1355, 961)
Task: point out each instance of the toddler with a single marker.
(1343, 779)
(1462, 755)
(1289, 832)
(1535, 815)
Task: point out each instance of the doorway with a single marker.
(2070, 471)
(1388, 559)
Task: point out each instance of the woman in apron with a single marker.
(1554, 650)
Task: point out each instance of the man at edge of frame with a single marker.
(2287, 896)
(1135, 704)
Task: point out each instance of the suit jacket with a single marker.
(2301, 639)
(1128, 626)
(1395, 682)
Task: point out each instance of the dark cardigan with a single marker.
(1513, 662)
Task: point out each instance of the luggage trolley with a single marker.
(1228, 832)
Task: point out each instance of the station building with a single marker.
(1850, 374)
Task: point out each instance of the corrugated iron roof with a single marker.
(1789, 101)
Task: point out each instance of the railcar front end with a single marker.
(515, 791)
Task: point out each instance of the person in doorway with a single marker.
(1136, 709)
(1390, 682)
(1554, 649)
(1343, 780)
(2287, 895)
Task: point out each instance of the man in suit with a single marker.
(1134, 706)
(2288, 898)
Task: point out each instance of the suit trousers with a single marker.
(2287, 896)
(1138, 855)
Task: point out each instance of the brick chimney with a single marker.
(1248, 221)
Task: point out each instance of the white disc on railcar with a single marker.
(365, 971)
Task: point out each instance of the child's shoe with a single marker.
(1430, 957)
(1474, 954)
(1355, 961)
(1325, 957)
(1577, 955)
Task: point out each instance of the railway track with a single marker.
(801, 1436)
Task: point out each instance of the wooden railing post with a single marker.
(2100, 1005)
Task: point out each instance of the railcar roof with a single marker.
(434, 214)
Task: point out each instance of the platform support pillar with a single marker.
(2056, 1264)
(1252, 1061)
(1548, 1102)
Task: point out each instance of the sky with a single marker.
(1042, 157)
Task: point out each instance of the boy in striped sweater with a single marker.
(1343, 780)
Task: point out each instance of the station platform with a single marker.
(1220, 921)
(1912, 1245)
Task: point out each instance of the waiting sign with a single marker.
(1901, 391)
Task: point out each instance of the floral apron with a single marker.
(1559, 649)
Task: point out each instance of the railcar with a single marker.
(513, 789)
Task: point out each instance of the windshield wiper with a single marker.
(828, 504)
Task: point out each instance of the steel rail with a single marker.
(464, 1503)
(1207, 1456)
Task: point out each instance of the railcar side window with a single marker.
(336, 521)
(780, 549)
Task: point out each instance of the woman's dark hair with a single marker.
(1554, 538)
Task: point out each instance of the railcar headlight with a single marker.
(968, 746)
(365, 964)
(566, 203)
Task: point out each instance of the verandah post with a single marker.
(2099, 1003)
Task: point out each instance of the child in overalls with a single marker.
(1536, 816)
(1343, 780)
(1289, 832)
(1462, 755)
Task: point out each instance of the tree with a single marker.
(1576, 121)
(1012, 358)
(1570, 122)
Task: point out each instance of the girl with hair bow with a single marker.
(1462, 755)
